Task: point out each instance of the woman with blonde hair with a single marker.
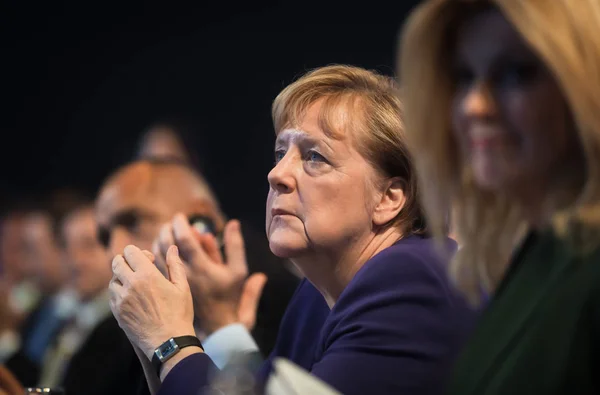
(343, 207)
(502, 103)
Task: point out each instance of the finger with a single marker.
(234, 247)
(250, 299)
(210, 245)
(115, 279)
(159, 260)
(115, 286)
(165, 238)
(115, 290)
(149, 255)
(121, 270)
(177, 272)
(136, 259)
(190, 249)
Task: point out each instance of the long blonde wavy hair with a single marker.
(565, 35)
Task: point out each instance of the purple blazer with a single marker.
(396, 329)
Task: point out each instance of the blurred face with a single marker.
(127, 215)
(12, 250)
(162, 142)
(132, 208)
(85, 256)
(321, 193)
(509, 116)
(43, 254)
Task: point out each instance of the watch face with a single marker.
(167, 350)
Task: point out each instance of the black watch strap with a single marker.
(168, 349)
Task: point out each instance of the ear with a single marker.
(392, 201)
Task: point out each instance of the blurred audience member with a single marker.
(175, 139)
(502, 105)
(139, 198)
(18, 293)
(43, 258)
(91, 355)
(162, 141)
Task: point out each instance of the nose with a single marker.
(479, 102)
(281, 177)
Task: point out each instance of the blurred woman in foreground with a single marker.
(502, 106)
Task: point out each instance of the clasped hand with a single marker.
(149, 307)
(223, 293)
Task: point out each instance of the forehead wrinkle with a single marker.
(301, 136)
(293, 133)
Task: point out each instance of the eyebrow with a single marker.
(304, 137)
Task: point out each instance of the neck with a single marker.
(331, 270)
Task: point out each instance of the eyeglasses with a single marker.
(204, 224)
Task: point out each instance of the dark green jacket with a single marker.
(541, 332)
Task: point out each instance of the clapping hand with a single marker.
(149, 307)
(223, 293)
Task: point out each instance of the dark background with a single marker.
(81, 80)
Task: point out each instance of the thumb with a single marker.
(176, 268)
(251, 293)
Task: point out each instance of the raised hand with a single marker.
(149, 307)
(222, 292)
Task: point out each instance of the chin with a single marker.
(286, 244)
(489, 179)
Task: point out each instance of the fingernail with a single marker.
(176, 250)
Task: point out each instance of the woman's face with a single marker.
(509, 116)
(322, 191)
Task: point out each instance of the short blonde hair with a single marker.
(565, 36)
(365, 104)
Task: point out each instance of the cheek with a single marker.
(539, 121)
(268, 210)
(338, 210)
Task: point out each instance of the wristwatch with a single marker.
(168, 349)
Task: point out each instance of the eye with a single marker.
(103, 236)
(279, 154)
(130, 221)
(515, 74)
(314, 156)
(462, 76)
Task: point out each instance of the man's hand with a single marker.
(222, 292)
(149, 307)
